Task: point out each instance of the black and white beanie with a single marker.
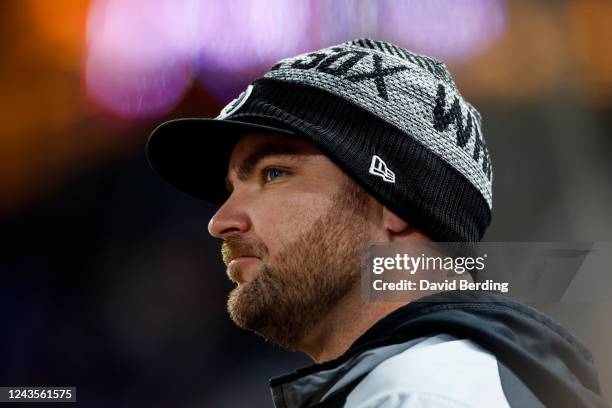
(393, 120)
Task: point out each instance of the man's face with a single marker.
(293, 229)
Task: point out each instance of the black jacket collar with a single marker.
(549, 359)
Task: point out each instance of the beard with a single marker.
(284, 302)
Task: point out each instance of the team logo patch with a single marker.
(234, 105)
(379, 168)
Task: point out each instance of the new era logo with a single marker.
(379, 168)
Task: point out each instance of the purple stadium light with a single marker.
(344, 20)
(241, 38)
(139, 55)
(452, 30)
(142, 53)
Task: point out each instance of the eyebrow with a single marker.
(246, 166)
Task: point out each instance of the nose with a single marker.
(229, 219)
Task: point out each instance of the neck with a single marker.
(347, 321)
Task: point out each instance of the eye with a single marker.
(271, 173)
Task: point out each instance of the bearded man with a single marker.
(365, 142)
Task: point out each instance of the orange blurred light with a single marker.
(59, 29)
(527, 62)
(591, 26)
(45, 126)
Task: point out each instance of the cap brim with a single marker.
(192, 154)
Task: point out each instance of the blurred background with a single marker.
(109, 280)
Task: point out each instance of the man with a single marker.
(358, 143)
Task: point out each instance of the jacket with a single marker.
(452, 349)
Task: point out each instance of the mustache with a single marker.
(236, 246)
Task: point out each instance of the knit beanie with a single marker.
(391, 119)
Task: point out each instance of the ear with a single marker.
(397, 229)
(393, 223)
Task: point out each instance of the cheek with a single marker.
(281, 220)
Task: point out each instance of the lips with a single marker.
(229, 256)
(242, 257)
(239, 259)
(239, 268)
